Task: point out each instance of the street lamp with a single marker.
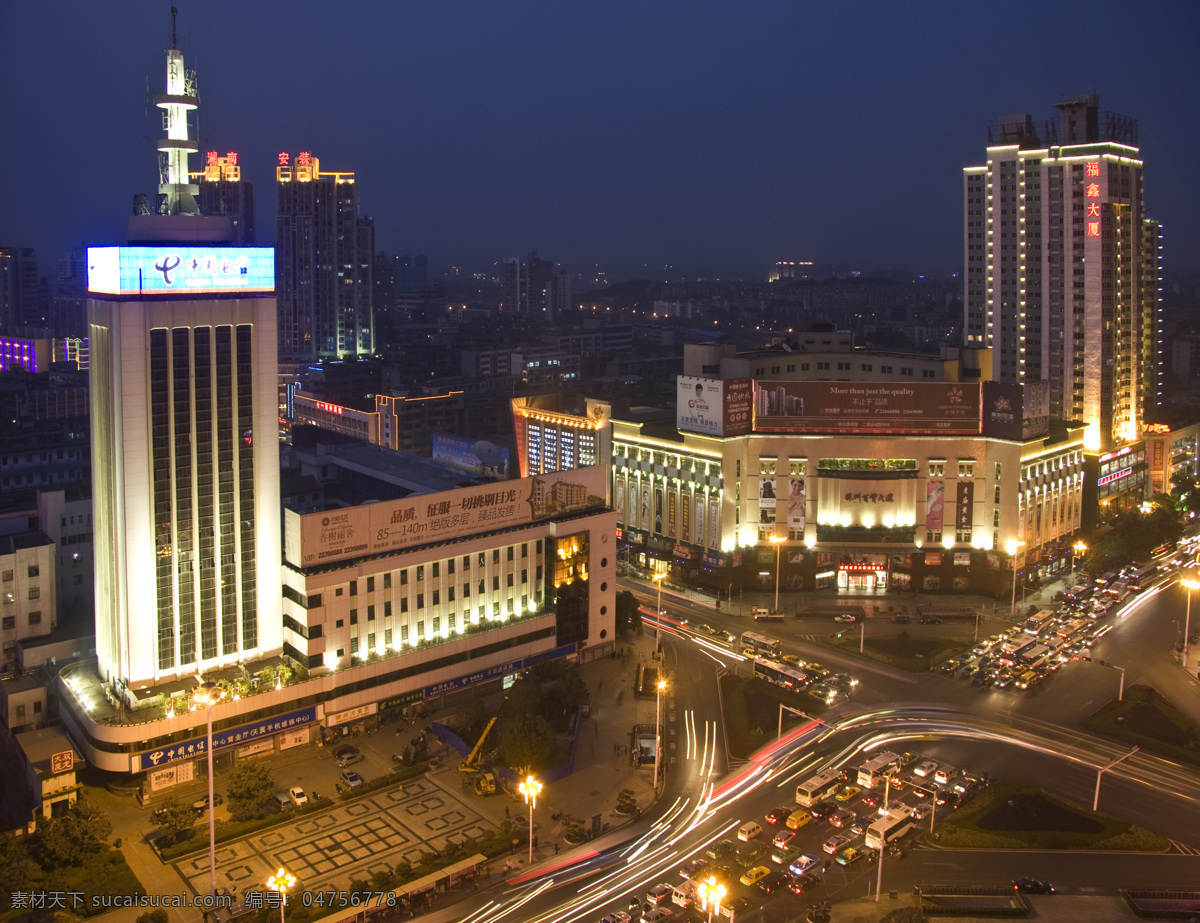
(206, 696)
(777, 541)
(1080, 549)
(661, 687)
(1101, 770)
(281, 881)
(1012, 547)
(1187, 622)
(530, 789)
(658, 578)
(711, 891)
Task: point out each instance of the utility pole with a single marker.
(1100, 771)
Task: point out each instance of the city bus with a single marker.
(822, 785)
(889, 828)
(871, 772)
(760, 644)
(1039, 620)
(780, 674)
(1011, 652)
(1035, 656)
(1140, 577)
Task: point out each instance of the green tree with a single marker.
(17, 869)
(628, 615)
(469, 720)
(66, 840)
(153, 916)
(174, 815)
(251, 790)
(526, 742)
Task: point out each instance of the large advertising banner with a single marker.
(619, 499)
(714, 407)
(866, 407)
(645, 522)
(935, 502)
(714, 524)
(700, 501)
(183, 269)
(766, 500)
(796, 504)
(966, 509)
(671, 513)
(337, 535)
(658, 511)
(685, 515)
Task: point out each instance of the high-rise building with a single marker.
(185, 468)
(1061, 267)
(223, 193)
(325, 254)
(534, 287)
(18, 288)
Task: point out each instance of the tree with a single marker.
(174, 815)
(469, 720)
(153, 916)
(526, 741)
(15, 871)
(251, 790)
(628, 616)
(66, 840)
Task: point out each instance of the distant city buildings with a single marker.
(324, 262)
(534, 287)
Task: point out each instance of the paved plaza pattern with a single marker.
(348, 841)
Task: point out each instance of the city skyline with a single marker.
(672, 137)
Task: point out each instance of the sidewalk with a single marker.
(1056, 908)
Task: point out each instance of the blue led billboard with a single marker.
(185, 270)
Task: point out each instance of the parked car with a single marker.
(201, 805)
(352, 778)
(349, 759)
(296, 794)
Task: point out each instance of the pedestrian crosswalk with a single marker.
(1185, 849)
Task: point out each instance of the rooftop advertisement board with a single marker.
(180, 269)
(867, 407)
(713, 407)
(314, 539)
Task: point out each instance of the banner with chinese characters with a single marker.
(685, 511)
(966, 509)
(700, 535)
(236, 736)
(671, 513)
(658, 511)
(935, 502)
(714, 524)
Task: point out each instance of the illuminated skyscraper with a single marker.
(1062, 267)
(185, 459)
(223, 193)
(325, 256)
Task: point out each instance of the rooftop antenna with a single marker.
(177, 193)
(174, 41)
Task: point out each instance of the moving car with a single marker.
(804, 884)
(848, 856)
(619, 916)
(754, 875)
(783, 838)
(845, 617)
(297, 795)
(1032, 886)
(925, 768)
(780, 814)
(658, 914)
(694, 868)
(785, 855)
(798, 819)
(803, 864)
(841, 819)
(773, 882)
(849, 793)
(834, 844)
(822, 809)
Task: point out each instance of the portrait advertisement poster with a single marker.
(766, 494)
(658, 510)
(714, 407)
(700, 501)
(685, 516)
(935, 502)
(646, 522)
(671, 506)
(619, 498)
(714, 524)
(966, 508)
(796, 503)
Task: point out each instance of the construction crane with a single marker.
(471, 763)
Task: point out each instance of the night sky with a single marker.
(708, 138)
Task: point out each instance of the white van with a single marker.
(659, 895)
(748, 831)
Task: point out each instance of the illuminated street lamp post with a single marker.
(1080, 549)
(662, 685)
(206, 696)
(658, 578)
(1187, 622)
(777, 541)
(282, 882)
(711, 891)
(530, 789)
(1012, 547)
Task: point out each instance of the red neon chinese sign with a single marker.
(210, 159)
(1092, 191)
(1092, 168)
(329, 408)
(231, 157)
(284, 159)
(303, 159)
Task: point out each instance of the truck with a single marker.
(485, 783)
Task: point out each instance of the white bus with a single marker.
(1034, 656)
(1039, 620)
(820, 786)
(871, 772)
(761, 644)
(889, 828)
(782, 675)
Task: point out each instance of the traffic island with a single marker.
(1147, 720)
(1012, 815)
(751, 709)
(914, 654)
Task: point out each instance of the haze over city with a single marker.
(658, 139)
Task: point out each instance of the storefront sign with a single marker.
(171, 775)
(399, 701)
(197, 746)
(295, 739)
(502, 669)
(350, 714)
(1115, 476)
(258, 748)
